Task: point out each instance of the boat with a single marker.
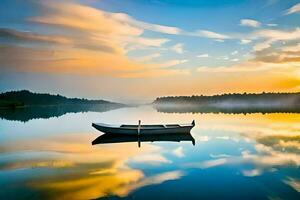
(122, 138)
(144, 129)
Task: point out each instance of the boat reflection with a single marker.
(109, 138)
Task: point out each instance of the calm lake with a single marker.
(235, 156)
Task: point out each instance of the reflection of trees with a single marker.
(45, 112)
(25, 105)
(233, 110)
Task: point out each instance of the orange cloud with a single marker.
(90, 42)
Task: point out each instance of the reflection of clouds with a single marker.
(266, 159)
(158, 179)
(153, 159)
(207, 163)
(219, 155)
(89, 186)
(73, 148)
(252, 124)
(277, 138)
(282, 142)
(293, 183)
(178, 152)
(89, 171)
(201, 138)
(276, 145)
(38, 163)
(95, 186)
(224, 137)
(252, 172)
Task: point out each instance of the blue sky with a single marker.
(205, 47)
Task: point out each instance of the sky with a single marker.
(137, 50)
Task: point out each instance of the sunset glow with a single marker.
(133, 47)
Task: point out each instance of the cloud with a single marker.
(262, 45)
(284, 54)
(158, 28)
(89, 41)
(147, 57)
(83, 41)
(178, 48)
(66, 61)
(82, 17)
(115, 28)
(124, 18)
(203, 56)
(6, 33)
(211, 34)
(280, 57)
(86, 41)
(272, 25)
(223, 58)
(234, 52)
(292, 48)
(278, 35)
(157, 73)
(245, 41)
(271, 36)
(250, 23)
(134, 43)
(170, 63)
(218, 69)
(259, 64)
(293, 9)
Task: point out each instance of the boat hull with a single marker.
(143, 131)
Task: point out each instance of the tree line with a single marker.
(27, 98)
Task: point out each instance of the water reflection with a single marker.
(183, 108)
(45, 112)
(54, 158)
(118, 138)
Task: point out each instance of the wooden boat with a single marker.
(122, 138)
(144, 129)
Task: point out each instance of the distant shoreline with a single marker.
(230, 103)
(50, 105)
(25, 99)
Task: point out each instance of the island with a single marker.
(25, 105)
(230, 103)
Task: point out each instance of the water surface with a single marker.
(236, 156)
